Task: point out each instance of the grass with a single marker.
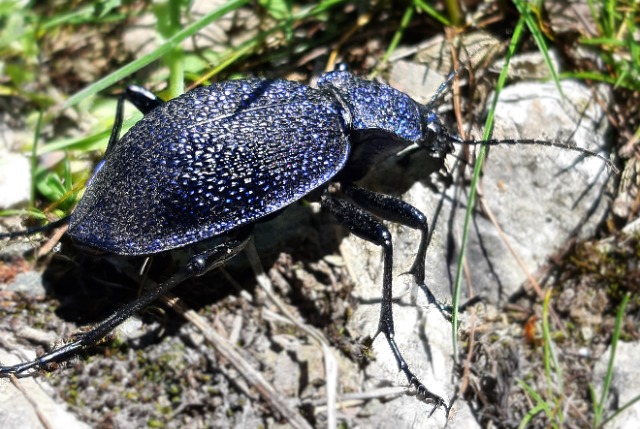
(599, 404)
(56, 185)
(616, 24)
(554, 400)
(282, 38)
(617, 29)
(515, 40)
(552, 406)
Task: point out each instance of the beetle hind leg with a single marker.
(197, 265)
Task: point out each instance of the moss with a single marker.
(154, 423)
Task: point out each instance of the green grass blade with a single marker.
(525, 12)
(168, 24)
(232, 55)
(546, 336)
(541, 405)
(455, 14)
(161, 50)
(395, 41)
(432, 12)
(531, 414)
(550, 357)
(30, 213)
(620, 410)
(597, 41)
(599, 409)
(517, 35)
(592, 75)
(34, 160)
(83, 143)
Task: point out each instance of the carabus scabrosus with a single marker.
(199, 171)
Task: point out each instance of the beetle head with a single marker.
(436, 138)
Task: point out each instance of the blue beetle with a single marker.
(207, 165)
(200, 170)
(197, 172)
(226, 155)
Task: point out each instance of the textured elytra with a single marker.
(210, 160)
(223, 156)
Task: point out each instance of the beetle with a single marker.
(199, 171)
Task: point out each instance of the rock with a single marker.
(529, 66)
(416, 80)
(15, 180)
(28, 283)
(625, 381)
(28, 405)
(540, 197)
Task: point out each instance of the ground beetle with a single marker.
(198, 172)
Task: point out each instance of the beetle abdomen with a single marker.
(210, 160)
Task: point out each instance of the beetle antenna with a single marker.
(430, 105)
(581, 150)
(30, 231)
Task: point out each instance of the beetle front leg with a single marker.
(396, 210)
(366, 227)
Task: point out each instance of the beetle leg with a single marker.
(117, 126)
(366, 227)
(142, 98)
(396, 210)
(197, 265)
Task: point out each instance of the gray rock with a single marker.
(625, 383)
(15, 180)
(540, 197)
(416, 80)
(28, 283)
(28, 403)
(529, 66)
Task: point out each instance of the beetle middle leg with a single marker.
(366, 227)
